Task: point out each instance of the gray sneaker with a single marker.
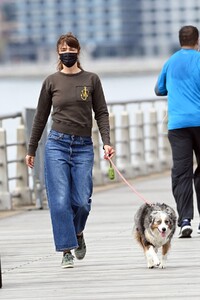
(81, 250)
(67, 261)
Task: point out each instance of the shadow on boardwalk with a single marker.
(114, 267)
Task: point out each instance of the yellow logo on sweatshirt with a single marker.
(84, 93)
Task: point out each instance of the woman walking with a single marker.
(71, 95)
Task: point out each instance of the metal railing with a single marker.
(138, 134)
(21, 190)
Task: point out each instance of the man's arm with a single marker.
(160, 88)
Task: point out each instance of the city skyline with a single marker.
(29, 29)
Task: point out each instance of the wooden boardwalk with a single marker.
(114, 267)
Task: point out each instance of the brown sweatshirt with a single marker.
(73, 97)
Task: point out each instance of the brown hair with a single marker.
(71, 41)
(188, 36)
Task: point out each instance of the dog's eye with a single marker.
(166, 222)
(158, 222)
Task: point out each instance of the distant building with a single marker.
(29, 29)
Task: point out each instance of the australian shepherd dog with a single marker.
(154, 227)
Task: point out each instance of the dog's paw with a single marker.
(156, 262)
(152, 266)
(150, 263)
(163, 262)
(153, 263)
(152, 258)
(162, 266)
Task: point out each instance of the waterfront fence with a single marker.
(138, 134)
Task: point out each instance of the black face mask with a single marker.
(69, 58)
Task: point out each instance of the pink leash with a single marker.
(124, 179)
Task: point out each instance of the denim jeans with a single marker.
(69, 162)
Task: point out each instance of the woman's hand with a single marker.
(30, 161)
(108, 151)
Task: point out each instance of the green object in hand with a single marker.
(111, 173)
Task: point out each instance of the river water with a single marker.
(20, 93)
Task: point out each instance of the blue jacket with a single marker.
(180, 81)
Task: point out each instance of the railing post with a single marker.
(5, 197)
(97, 173)
(139, 163)
(125, 165)
(112, 130)
(152, 158)
(165, 152)
(39, 191)
(0, 275)
(22, 185)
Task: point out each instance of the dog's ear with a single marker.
(168, 209)
(170, 212)
(172, 217)
(152, 217)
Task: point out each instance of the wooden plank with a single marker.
(114, 267)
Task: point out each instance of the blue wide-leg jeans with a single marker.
(69, 162)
